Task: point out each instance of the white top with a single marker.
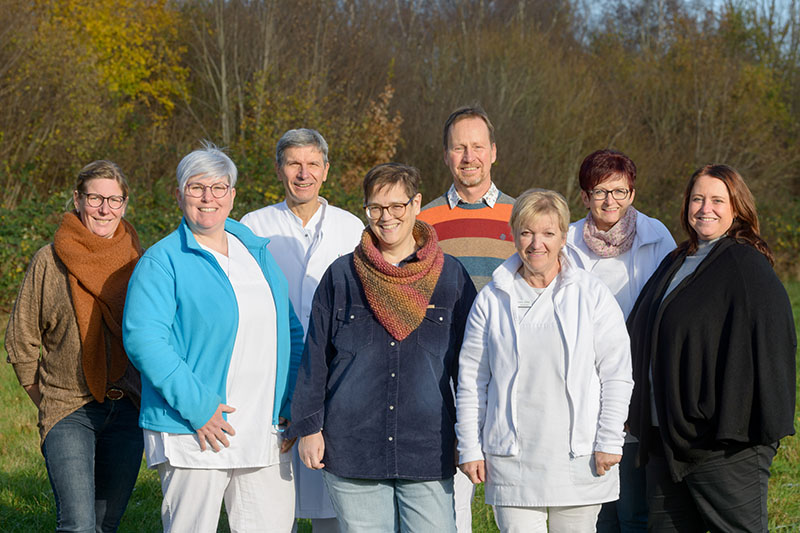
(598, 377)
(543, 473)
(250, 386)
(632, 269)
(304, 253)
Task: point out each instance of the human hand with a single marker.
(216, 430)
(604, 461)
(34, 394)
(475, 470)
(286, 444)
(311, 450)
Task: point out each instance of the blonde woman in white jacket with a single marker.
(544, 381)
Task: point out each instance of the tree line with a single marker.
(674, 84)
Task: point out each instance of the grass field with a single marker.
(26, 501)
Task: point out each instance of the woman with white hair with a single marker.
(209, 325)
(544, 381)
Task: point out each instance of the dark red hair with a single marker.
(603, 164)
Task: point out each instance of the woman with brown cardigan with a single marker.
(65, 343)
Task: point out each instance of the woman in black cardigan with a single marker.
(713, 345)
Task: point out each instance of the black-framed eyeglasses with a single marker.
(96, 200)
(218, 190)
(375, 211)
(602, 194)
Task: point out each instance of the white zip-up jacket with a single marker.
(598, 366)
(651, 244)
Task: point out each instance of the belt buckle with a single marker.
(115, 394)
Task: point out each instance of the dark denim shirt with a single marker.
(385, 407)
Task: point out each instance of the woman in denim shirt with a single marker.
(373, 403)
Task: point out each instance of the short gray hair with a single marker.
(300, 137)
(208, 161)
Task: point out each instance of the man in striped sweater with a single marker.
(471, 218)
(471, 221)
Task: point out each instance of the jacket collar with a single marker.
(237, 229)
(503, 276)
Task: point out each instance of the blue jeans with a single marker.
(93, 457)
(629, 513)
(390, 505)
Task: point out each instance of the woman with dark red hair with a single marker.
(713, 346)
(622, 247)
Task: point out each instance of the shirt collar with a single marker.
(453, 199)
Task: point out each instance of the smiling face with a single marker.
(608, 212)
(395, 234)
(710, 212)
(538, 242)
(470, 154)
(102, 221)
(303, 172)
(206, 215)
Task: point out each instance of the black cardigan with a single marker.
(722, 350)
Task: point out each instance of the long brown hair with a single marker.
(744, 228)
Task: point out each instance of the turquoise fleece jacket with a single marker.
(180, 324)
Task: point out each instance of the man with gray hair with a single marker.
(306, 235)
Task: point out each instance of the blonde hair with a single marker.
(533, 203)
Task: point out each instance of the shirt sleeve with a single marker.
(24, 332)
(473, 383)
(308, 403)
(150, 309)
(613, 365)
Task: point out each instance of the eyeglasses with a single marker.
(96, 200)
(218, 190)
(375, 211)
(602, 194)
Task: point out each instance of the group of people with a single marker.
(593, 375)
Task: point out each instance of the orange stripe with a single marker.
(442, 213)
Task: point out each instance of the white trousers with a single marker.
(256, 499)
(463, 491)
(577, 519)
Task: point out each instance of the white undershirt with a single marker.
(250, 382)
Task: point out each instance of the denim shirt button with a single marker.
(391, 438)
(441, 318)
(352, 317)
(392, 374)
(391, 407)
(391, 343)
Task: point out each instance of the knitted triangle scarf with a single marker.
(399, 296)
(98, 273)
(614, 242)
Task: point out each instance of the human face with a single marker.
(607, 212)
(303, 172)
(206, 215)
(102, 221)
(395, 234)
(710, 211)
(538, 243)
(470, 154)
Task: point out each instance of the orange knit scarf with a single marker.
(399, 296)
(98, 272)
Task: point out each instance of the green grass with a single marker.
(26, 501)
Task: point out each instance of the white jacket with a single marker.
(302, 261)
(598, 368)
(651, 244)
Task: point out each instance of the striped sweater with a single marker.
(478, 235)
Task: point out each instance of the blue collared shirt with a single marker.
(385, 407)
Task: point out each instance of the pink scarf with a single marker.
(613, 242)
